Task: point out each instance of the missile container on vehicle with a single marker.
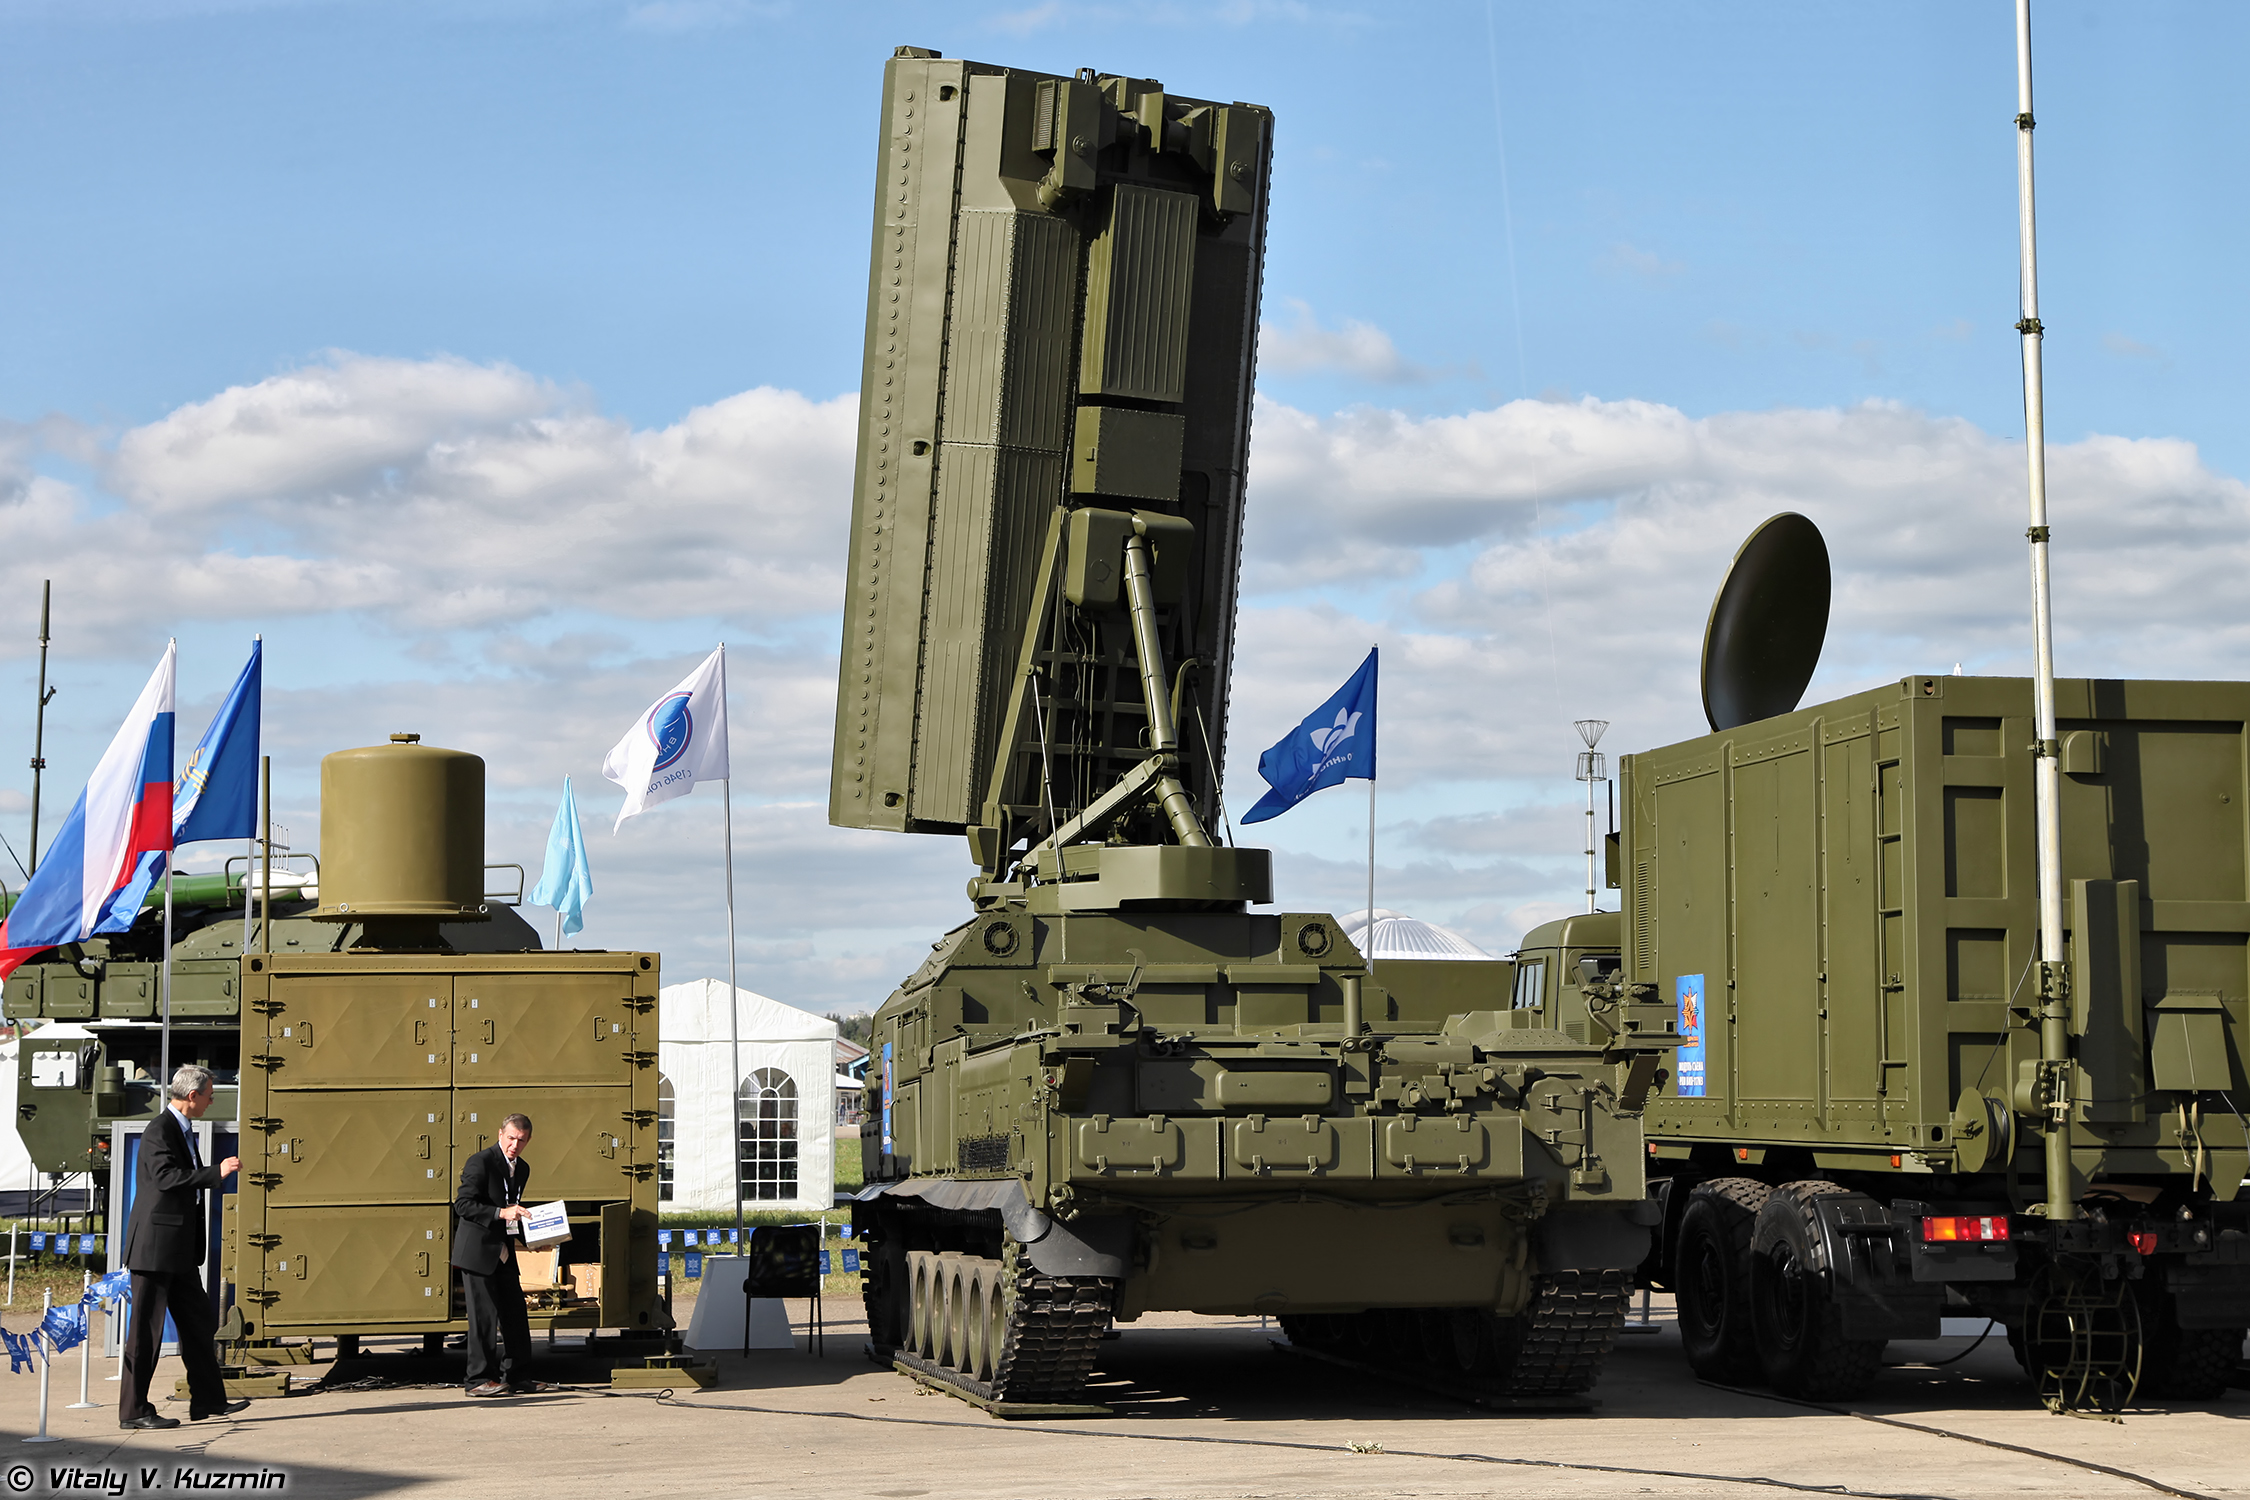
(1117, 1087)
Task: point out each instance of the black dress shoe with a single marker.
(149, 1421)
(228, 1410)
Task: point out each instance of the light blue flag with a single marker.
(1335, 742)
(565, 883)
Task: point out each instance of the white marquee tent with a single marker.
(786, 1095)
(1400, 936)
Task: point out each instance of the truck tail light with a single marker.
(2144, 1240)
(1979, 1228)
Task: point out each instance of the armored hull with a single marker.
(1226, 1113)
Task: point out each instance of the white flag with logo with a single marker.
(681, 740)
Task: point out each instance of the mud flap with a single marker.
(1591, 1239)
(1089, 1245)
(1871, 1271)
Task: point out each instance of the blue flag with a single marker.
(1335, 742)
(64, 1327)
(565, 883)
(217, 796)
(19, 1351)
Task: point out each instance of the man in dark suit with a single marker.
(486, 1240)
(164, 1243)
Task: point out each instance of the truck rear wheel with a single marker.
(1711, 1278)
(1799, 1331)
(2182, 1364)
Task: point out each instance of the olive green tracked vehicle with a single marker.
(1116, 1087)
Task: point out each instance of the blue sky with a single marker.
(351, 322)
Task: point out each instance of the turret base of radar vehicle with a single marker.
(1116, 1088)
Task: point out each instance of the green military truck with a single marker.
(1115, 1087)
(1840, 905)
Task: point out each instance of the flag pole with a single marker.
(164, 1048)
(250, 842)
(734, 1013)
(164, 987)
(734, 1002)
(1370, 874)
(1371, 858)
(39, 729)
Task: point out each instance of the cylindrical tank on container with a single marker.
(401, 833)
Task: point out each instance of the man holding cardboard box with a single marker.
(486, 1243)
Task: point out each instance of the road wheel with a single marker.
(1711, 1278)
(1800, 1342)
(919, 1316)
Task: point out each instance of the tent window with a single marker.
(766, 1134)
(666, 1135)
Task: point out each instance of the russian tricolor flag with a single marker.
(124, 813)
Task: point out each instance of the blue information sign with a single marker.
(1688, 991)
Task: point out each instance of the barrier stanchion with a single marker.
(46, 1368)
(85, 1349)
(12, 1227)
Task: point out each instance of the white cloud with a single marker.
(438, 495)
(1028, 20)
(1357, 348)
(551, 568)
(1644, 264)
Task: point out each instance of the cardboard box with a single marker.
(549, 1224)
(538, 1268)
(586, 1281)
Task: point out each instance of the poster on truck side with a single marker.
(1687, 990)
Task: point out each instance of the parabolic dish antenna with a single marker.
(1767, 623)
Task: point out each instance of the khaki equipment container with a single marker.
(369, 1081)
(365, 1046)
(1842, 904)
(1115, 1088)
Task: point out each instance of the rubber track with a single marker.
(1558, 1343)
(1055, 1327)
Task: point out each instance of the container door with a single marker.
(581, 1138)
(347, 1266)
(358, 1031)
(353, 1146)
(541, 1028)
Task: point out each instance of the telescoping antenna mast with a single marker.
(2054, 969)
(1592, 768)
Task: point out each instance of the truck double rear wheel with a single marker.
(1711, 1278)
(1801, 1346)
